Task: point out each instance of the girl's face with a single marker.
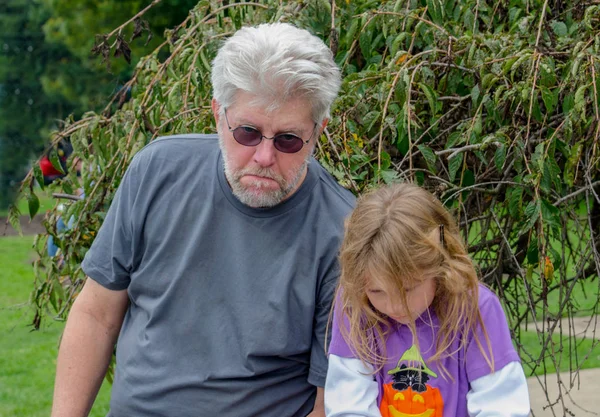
(387, 299)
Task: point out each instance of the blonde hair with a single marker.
(394, 236)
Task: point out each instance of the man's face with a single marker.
(262, 176)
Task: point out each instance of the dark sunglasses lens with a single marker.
(247, 136)
(288, 143)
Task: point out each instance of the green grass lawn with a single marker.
(27, 359)
(585, 354)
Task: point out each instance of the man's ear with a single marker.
(324, 124)
(214, 104)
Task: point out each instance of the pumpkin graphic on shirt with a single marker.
(409, 395)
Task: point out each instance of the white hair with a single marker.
(275, 62)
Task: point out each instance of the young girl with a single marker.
(414, 332)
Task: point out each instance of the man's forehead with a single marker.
(294, 113)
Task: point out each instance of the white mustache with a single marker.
(261, 172)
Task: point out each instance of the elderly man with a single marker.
(217, 261)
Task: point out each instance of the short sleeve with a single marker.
(498, 332)
(318, 357)
(110, 258)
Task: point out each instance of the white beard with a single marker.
(266, 198)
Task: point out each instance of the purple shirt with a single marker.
(409, 376)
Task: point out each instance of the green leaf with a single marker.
(349, 38)
(576, 63)
(14, 218)
(559, 28)
(488, 81)
(475, 93)
(506, 68)
(580, 101)
(400, 92)
(533, 254)
(520, 61)
(420, 177)
(397, 44)
(532, 214)
(515, 199)
(469, 20)
(434, 8)
(454, 165)
(401, 132)
(572, 163)
(546, 180)
(430, 157)
(386, 160)
(59, 290)
(454, 139)
(589, 16)
(39, 176)
(547, 73)
(431, 97)
(364, 42)
(538, 156)
(529, 273)
(204, 61)
(550, 100)
(468, 178)
(500, 156)
(568, 103)
(55, 161)
(33, 202)
(389, 176)
(478, 124)
(67, 188)
(556, 256)
(550, 214)
(52, 299)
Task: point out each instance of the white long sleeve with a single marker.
(350, 389)
(503, 393)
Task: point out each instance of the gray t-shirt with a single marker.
(228, 304)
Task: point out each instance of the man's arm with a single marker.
(86, 348)
(319, 409)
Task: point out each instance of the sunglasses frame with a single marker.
(274, 138)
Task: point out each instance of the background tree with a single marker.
(493, 105)
(46, 73)
(24, 108)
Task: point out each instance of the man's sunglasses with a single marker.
(284, 142)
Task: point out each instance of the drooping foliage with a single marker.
(492, 105)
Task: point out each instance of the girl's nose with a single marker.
(396, 308)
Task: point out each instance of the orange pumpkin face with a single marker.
(409, 403)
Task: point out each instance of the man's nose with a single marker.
(265, 153)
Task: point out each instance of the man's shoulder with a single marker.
(333, 191)
(177, 147)
(183, 140)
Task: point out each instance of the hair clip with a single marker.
(442, 240)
